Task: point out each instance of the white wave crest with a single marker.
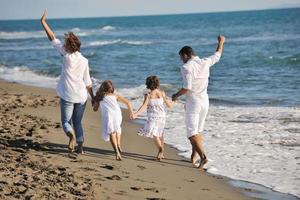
(118, 41)
(104, 42)
(21, 34)
(108, 28)
(37, 34)
(253, 38)
(76, 29)
(22, 74)
(136, 42)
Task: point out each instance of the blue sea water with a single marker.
(254, 90)
(260, 64)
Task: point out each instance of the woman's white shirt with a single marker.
(74, 77)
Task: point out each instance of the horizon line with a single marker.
(153, 15)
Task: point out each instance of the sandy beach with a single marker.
(35, 163)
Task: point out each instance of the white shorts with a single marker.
(195, 115)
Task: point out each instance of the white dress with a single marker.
(156, 119)
(111, 116)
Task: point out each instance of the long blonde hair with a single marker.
(105, 88)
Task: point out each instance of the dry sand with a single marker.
(35, 163)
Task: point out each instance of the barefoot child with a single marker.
(156, 115)
(111, 114)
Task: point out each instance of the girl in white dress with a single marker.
(154, 101)
(111, 114)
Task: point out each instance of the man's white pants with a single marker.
(196, 109)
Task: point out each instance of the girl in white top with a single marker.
(111, 114)
(156, 116)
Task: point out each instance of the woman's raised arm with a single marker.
(46, 27)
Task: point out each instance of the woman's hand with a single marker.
(43, 18)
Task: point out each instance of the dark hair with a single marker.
(72, 43)
(152, 82)
(186, 50)
(105, 88)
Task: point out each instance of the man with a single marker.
(195, 73)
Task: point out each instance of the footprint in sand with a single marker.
(107, 167)
(73, 156)
(192, 181)
(136, 188)
(114, 178)
(153, 189)
(141, 167)
(121, 192)
(89, 169)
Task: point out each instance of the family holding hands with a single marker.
(74, 85)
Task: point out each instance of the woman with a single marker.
(73, 85)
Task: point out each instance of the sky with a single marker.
(32, 9)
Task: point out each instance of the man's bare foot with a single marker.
(71, 144)
(202, 163)
(194, 159)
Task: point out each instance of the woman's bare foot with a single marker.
(79, 149)
(71, 144)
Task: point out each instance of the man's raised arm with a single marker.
(213, 59)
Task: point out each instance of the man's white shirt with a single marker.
(195, 74)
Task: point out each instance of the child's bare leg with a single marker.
(113, 140)
(159, 146)
(163, 147)
(119, 142)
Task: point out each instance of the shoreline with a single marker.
(239, 188)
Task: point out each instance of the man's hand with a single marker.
(221, 39)
(43, 18)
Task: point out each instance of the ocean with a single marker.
(252, 132)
